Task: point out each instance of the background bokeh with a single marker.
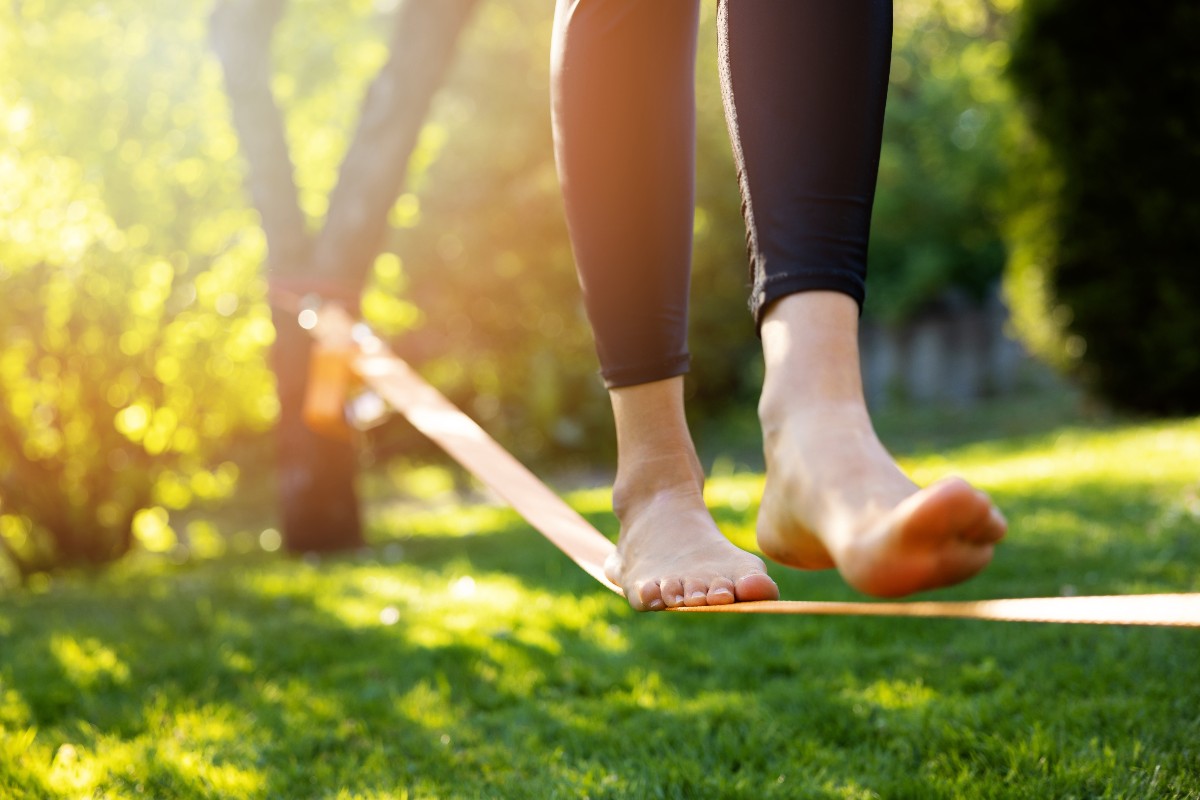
(134, 380)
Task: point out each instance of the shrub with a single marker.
(131, 346)
(1110, 278)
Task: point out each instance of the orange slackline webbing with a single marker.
(436, 417)
(466, 442)
(1140, 609)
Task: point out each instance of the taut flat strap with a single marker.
(1139, 609)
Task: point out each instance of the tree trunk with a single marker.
(319, 506)
(316, 474)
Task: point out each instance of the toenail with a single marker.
(678, 599)
(656, 605)
(696, 595)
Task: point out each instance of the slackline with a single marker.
(365, 355)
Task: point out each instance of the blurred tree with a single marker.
(1105, 280)
(481, 249)
(317, 473)
(130, 260)
(131, 350)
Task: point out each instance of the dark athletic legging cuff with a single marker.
(780, 286)
(804, 83)
(617, 377)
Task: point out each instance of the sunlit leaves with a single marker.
(133, 332)
(134, 329)
(952, 122)
(151, 528)
(325, 54)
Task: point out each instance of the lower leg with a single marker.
(623, 111)
(624, 124)
(834, 496)
(670, 552)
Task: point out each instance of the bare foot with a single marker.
(835, 498)
(671, 553)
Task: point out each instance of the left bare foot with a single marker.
(670, 552)
(835, 498)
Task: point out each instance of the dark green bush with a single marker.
(1113, 90)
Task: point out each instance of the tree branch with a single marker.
(22, 567)
(394, 111)
(240, 31)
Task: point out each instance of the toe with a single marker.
(695, 592)
(720, 592)
(646, 596)
(672, 592)
(950, 508)
(964, 562)
(989, 529)
(755, 586)
(997, 525)
(612, 568)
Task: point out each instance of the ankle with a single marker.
(655, 453)
(780, 415)
(810, 348)
(642, 479)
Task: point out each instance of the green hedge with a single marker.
(1113, 91)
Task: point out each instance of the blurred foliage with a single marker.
(483, 250)
(134, 336)
(1105, 281)
(486, 259)
(132, 343)
(938, 223)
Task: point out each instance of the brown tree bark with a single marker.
(319, 505)
(372, 173)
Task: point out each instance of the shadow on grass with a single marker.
(272, 683)
(270, 686)
(270, 678)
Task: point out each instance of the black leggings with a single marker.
(804, 85)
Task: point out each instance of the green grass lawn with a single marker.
(464, 657)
